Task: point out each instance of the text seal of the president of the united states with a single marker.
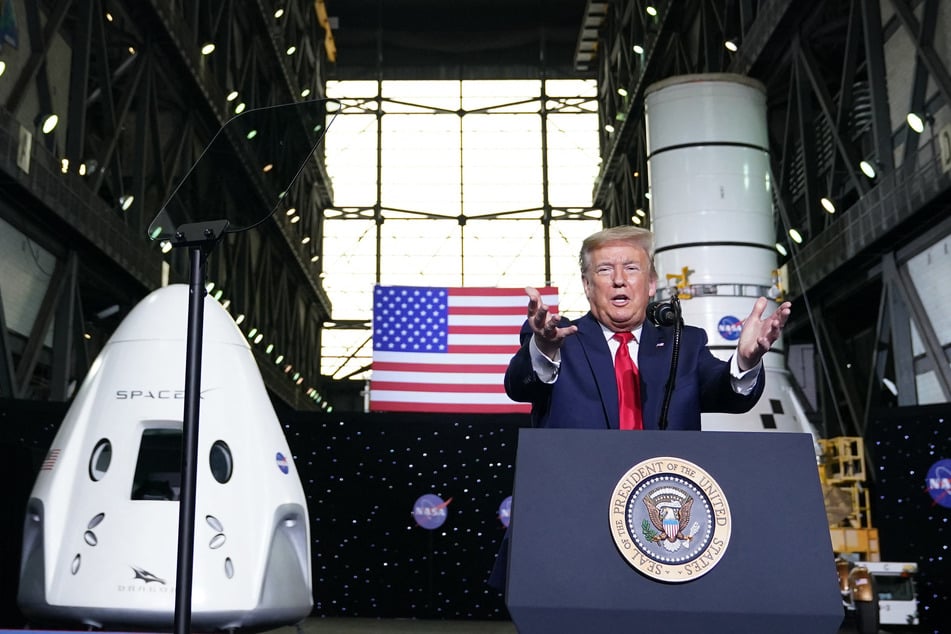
(670, 519)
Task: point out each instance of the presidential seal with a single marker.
(670, 519)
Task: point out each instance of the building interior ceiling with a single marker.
(143, 101)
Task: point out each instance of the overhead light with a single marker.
(252, 333)
(267, 168)
(731, 45)
(622, 91)
(305, 240)
(218, 294)
(278, 14)
(314, 258)
(867, 169)
(258, 339)
(890, 386)
(651, 11)
(240, 108)
(291, 50)
(269, 349)
(232, 95)
(210, 286)
(295, 220)
(796, 236)
(638, 49)
(166, 246)
(252, 134)
(915, 122)
(239, 319)
(279, 358)
(292, 211)
(125, 201)
(827, 204)
(636, 220)
(781, 249)
(609, 128)
(208, 48)
(64, 165)
(48, 123)
(640, 212)
(305, 92)
(109, 17)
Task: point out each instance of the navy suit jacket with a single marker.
(585, 393)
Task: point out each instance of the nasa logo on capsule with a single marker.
(670, 519)
(938, 482)
(505, 511)
(730, 327)
(282, 463)
(430, 511)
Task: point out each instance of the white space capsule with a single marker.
(711, 204)
(101, 532)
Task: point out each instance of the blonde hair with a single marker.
(634, 236)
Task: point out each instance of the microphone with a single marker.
(662, 313)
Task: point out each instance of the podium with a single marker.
(570, 561)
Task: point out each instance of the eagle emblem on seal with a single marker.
(669, 511)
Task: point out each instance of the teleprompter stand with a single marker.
(566, 573)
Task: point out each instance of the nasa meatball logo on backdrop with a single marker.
(938, 482)
(729, 327)
(505, 511)
(670, 519)
(430, 511)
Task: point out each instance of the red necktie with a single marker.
(628, 384)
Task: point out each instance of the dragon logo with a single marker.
(146, 576)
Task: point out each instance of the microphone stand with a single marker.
(674, 356)
(200, 238)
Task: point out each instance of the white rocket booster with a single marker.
(711, 204)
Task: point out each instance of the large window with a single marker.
(467, 173)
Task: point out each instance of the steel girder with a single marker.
(140, 104)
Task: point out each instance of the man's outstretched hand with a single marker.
(548, 335)
(758, 334)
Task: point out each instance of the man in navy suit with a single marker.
(566, 369)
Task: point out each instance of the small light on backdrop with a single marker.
(796, 236)
(827, 204)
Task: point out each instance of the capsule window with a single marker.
(159, 466)
(221, 461)
(100, 459)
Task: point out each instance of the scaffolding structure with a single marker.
(842, 474)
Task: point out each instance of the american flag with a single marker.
(446, 349)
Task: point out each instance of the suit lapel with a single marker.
(653, 365)
(591, 337)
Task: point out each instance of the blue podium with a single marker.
(588, 505)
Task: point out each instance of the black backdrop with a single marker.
(362, 472)
(903, 444)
